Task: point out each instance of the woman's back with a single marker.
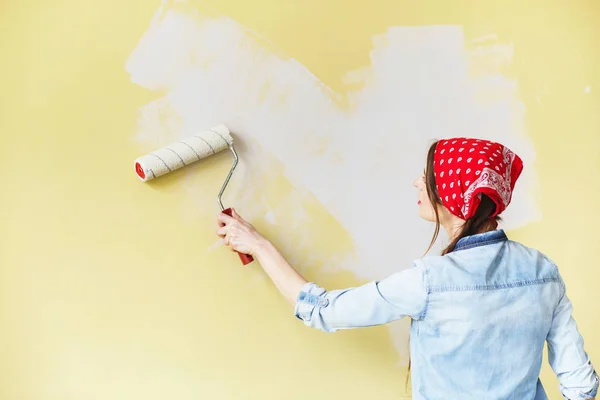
(491, 305)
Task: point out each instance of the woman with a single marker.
(481, 312)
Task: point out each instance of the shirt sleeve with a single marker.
(378, 302)
(566, 354)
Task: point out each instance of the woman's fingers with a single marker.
(231, 245)
(224, 219)
(236, 233)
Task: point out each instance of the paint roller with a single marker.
(187, 151)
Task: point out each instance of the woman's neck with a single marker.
(452, 226)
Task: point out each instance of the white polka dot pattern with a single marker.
(460, 180)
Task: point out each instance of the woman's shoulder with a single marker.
(509, 261)
(533, 253)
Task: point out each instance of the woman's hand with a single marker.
(238, 234)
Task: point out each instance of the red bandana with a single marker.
(464, 168)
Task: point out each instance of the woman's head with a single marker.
(466, 184)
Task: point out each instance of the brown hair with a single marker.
(478, 223)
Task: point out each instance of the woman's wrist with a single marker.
(263, 248)
(286, 278)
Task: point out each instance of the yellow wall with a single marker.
(102, 292)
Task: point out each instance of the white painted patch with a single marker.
(424, 83)
(360, 164)
(270, 217)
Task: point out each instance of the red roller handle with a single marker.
(246, 258)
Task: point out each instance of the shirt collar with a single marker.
(481, 239)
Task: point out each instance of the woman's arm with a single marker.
(374, 303)
(284, 276)
(567, 356)
(242, 237)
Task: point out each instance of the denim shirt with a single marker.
(480, 317)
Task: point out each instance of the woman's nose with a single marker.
(419, 182)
